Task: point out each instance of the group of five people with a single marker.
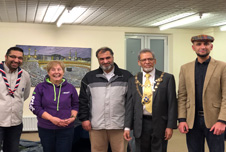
(112, 103)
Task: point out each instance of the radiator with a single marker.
(30, 124)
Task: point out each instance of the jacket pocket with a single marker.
(216, 105)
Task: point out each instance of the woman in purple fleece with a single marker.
(55, 102)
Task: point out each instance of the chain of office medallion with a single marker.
(137, 82)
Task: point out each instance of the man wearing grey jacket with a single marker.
(102, 103)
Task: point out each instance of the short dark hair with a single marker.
(103, 50)
(145, 51)
(15, 49)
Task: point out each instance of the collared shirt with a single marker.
(200, 74)
(11, 109)
(152, 80)
(107, 98)
(110, 74)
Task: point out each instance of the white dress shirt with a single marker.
(152, 80)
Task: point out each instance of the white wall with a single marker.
(180, 51)
(219, 48)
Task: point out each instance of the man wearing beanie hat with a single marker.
(202, 98)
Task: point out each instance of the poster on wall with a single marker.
(77, 62)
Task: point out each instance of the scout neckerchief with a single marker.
(11, 92)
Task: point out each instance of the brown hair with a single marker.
(54, 63)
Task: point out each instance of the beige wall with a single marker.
(179, 43)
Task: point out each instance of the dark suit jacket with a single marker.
(164, 109)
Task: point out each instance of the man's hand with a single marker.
(126, 135)
(168, 133)
(183, 127)
(86, 125)
(219, 128)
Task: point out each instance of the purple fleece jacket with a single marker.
(58, 101)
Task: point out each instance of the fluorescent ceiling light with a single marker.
(53, 13)
(223, 28)
(172, 19)
(183, 21)
(219, 24)
(69, 16)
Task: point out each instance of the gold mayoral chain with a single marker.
(146, 98)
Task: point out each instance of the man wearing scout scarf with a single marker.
(151, 107)
(202, 98)
(14, 89)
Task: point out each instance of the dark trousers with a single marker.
(56, 140)
(81, 142)
(196, 138)
(147, 142)
(10, 138)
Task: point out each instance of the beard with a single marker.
(13, 67)
(148, 69)
(202, 56)
(106, 68)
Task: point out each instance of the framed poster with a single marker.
(77, 62)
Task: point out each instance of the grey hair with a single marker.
(145, 51)
(103, 50)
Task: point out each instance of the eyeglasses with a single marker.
(14, 57)
(147, 59)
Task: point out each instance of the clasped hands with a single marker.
(62, 122)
